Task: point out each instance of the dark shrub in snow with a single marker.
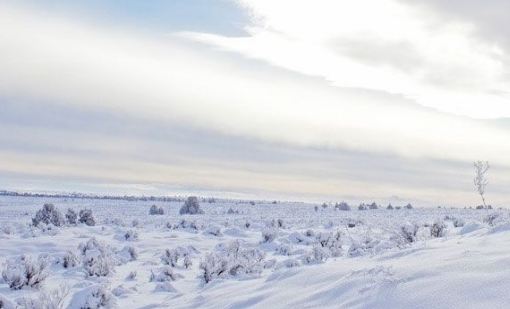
(130, 235)
(155, 210)
(48, 215)
(343, 206)
(373, 206)
(438, 229)
(409, 206)
(268, 235)
(362, 207)
(231, 261)
(316, 208)
(25, 271)
(390, 207)
(324, 205)
(480, 207)
(71, 216)
(87, 217)
(232, 212)
(191, 207)
(458, 222)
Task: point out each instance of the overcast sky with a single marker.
(387, 100)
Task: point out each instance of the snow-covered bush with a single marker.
(130, 235)
(360, 247)
(373, 206)
(213, 230)
(94, 297)
(458, 222)
(269, 235)
(191, 207)
(164, 274)
(409, 232)
(71, 216)
(331, 242)
(438, 229)
(127, 254)
(232, 211)
(185, 225)
(409, 206)
(172, 256)
(97, 258)
(490, 219)
(343, 206)
(6, 303)
(316, 256)
(231, 261)
(87, 217)
(362, 207)
(390, 207)
(283, 249)
(155, 210)
(49, 214)
(25, 271)
(70, 259)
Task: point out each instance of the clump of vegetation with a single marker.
(191, 207)
(25, 271)
(49, 214)
(87, 217)
(155, 210)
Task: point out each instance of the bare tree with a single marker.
(480, 180)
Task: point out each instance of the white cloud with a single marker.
(170, 79)
(386, 45)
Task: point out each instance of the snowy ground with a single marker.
(285, 255)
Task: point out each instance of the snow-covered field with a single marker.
(239, 255)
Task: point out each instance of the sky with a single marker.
(387, 101)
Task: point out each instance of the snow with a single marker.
(284, 255)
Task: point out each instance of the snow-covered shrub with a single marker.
(458, 222)
(94, 297)
(87, 217)
(191, 207)
(316, 256)
(132, 275)
(185, 225)
(70, 259)
(331, 242)
(232, 211)
(71, 216)
(362, 207)
(373, 206)
(480, 207)
(172, 256)
(25, 271)
(6, 303)
(230, 261)
(283, 249)
(127, 254)
(50, 299)
(490, 219)
(213, 230)
(343, 206)
(438, 229)
(97, 258)
(130, 235)
(269, 235)
(409, 232)
(164, 274)
(49, 214)
(288, 263)
(324, 205)
(316, 208)
(390, 207)
(155, 210)
(409, 206)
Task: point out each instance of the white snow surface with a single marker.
(369, 265)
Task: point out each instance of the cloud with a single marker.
(112, 104)
(387, 45)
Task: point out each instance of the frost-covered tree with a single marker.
(155, 210)
(87, 217)
(191, 207)
(480, 180)
(49, 214)
(71, 216)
